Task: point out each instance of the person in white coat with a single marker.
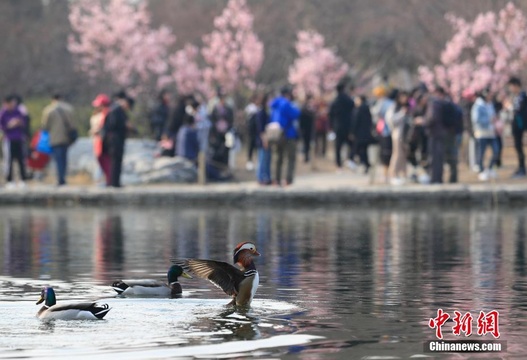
(398, 120)
(483, 117)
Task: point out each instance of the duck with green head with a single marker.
(69, 311)
(156, 288)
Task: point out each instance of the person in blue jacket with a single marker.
(284, 112)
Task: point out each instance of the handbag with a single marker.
(43, 145)
(73, 134)
(382, 128)
(273, 131)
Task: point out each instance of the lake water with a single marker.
(334, 283)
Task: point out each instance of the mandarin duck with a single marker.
(239, 281)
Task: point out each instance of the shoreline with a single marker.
(250, 195)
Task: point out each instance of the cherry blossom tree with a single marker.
(233, 52)
(114, 39)
(186, 73)
(482, 53)
(318, 69)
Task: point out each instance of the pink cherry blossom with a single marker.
(186, 73)
(318, 69)
(482, 53)
(232, 51)
(114, 39)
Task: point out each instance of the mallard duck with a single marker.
(70, 311)
(240, 281)
(153, 287)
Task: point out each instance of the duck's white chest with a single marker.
(256, 282)
(248, 288)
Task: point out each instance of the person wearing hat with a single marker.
(101, 106)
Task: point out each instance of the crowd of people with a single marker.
(417, 130)
(416, 133)
(197, 126)
(109, 127)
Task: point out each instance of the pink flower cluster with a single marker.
(115, 39)
(233, 52)
(189, 76)
(482, 54)
(318, 69)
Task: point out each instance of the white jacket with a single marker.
(483, 117)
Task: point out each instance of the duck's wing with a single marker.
(72, 306)
(223, 275)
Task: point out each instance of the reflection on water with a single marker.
(367, 281)
(234, 324)
(109, 240)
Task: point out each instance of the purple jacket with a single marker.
(17, 133)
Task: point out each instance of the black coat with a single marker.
(520, 113)
(228, 116)
(362, 124)
(159, 119)
(434, 118)
(262, 119)
(159, 116)
(115, 129)
(340, 114)
(307, 121)
(177, 120)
